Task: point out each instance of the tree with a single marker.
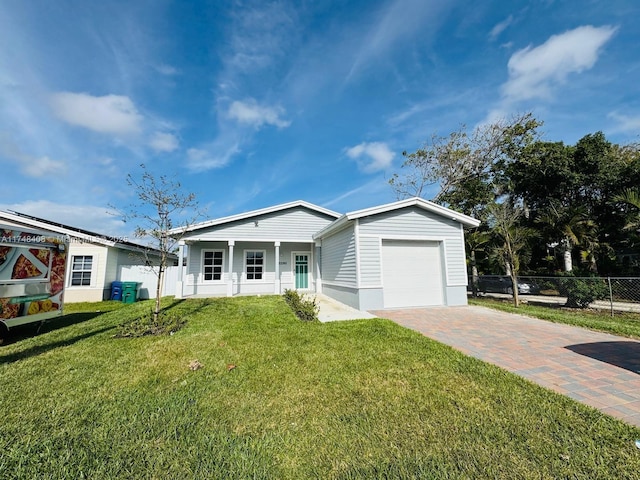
(504, 220)
(632, 198)
(160, 208)
(465, 168)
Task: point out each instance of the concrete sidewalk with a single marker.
(331, 310)
(594, 368)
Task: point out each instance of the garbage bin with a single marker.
(130, 292)
(116, 291)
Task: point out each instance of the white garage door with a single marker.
(412, 273)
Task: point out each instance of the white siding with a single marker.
(370, 272)
(415, 223)
(294, 224)
(339, 258)
(94, 292)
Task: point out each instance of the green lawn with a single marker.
(345, 400)
(626, 324)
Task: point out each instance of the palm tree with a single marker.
(475, 240)
(631, 197)
(572, 227)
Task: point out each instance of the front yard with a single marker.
(279, 398)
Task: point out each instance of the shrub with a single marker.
(167, 324)
(581, 292)
(305, 310)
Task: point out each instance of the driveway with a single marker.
(597, 369)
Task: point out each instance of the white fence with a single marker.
(148, 277)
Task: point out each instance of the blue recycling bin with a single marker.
(116, 291)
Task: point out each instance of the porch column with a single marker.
(179, 292)
(318, 275)
(277, 260)
(230, 281)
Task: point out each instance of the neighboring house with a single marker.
(95, 260)
(404, 254)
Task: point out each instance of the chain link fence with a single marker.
(616, 294)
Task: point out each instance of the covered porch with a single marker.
(247, 267)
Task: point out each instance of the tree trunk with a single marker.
(474, 274)
(568, 262)
(514, 286)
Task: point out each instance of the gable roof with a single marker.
(409, 202)
(255, 213)
(79, 233)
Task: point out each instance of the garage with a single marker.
(412, 273)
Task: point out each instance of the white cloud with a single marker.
(500, 27)
(30, 165)
(372, 157)
(43, 166)
(164, 142)
(199, 159)
(88, 217)
(533, 71)
(251, 113)
(115, 114)
(165, 69)
(625, 123)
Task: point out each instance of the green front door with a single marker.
(302, 270)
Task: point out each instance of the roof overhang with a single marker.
(253, 213)
(426, 205)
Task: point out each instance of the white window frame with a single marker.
(202, 265)
(264, 265)
(82, 271)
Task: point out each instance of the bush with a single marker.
(581, 292)
(305, 310)
(167, 324)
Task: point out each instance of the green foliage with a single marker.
(582, 291)
(305, 310)
(340, 400)
(165, 323)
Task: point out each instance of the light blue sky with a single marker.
(255, 103)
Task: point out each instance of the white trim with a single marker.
(222, 272)
(225, 238)
(244, 266)
(92, 271)
(464, 249)
(410, 202)
(338, 284)
(255, 213)
(356, 234)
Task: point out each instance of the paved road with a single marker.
(597, 369)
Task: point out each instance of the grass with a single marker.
(626, 324)
(345, 400)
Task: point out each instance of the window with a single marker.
(212, 264)
(81, 270)
(254, 264)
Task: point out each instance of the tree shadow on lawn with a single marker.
(623, 354)
(39, 349)
(29, 330)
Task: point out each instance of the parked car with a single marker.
(503, 284)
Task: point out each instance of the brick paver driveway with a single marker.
(597, 369)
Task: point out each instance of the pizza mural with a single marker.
(32, 270)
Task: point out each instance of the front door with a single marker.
(301, 262)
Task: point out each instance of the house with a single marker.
(403, 254)
(95, 260)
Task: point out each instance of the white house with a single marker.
(403, 254)
(95, 260)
